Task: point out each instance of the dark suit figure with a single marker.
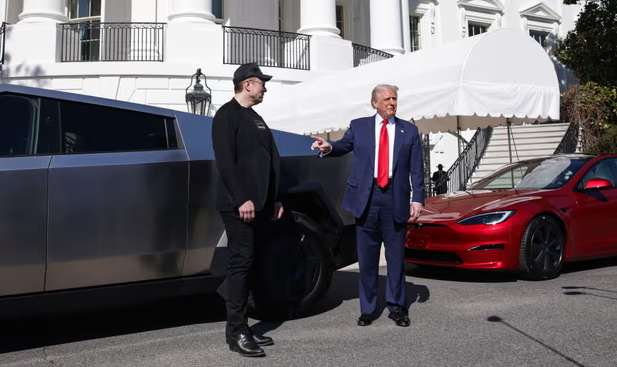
(387, 152)
(249, 165)
(439, 180)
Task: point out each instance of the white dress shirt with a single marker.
(391, 131)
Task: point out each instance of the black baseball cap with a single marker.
(249, 70)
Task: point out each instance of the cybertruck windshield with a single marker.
(541, 174)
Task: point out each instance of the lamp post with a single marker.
(198, 100)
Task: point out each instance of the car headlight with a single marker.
(488, 219)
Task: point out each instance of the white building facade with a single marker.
(145, 51)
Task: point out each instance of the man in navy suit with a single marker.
(387, 152)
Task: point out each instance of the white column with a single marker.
(192, 36)
(37, 11)
(194, 11)
(318, 18)
(386, 26)
(406, 24)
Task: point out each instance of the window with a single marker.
(415, 33)
(18, 122)
(540, 37)
(90, 129)
(217, 9)
(606, 169)
(475, 29)
(340, 19)
(88, 14)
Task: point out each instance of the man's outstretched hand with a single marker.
(321, 144)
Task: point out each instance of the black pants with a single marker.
(243, 241)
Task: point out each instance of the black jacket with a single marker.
(246, 156)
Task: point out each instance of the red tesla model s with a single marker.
(530, 216)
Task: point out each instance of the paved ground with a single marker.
(458, 319)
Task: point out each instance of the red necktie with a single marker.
(383, 166)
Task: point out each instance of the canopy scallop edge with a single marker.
(481, 81)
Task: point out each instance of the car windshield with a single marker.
(542, 174)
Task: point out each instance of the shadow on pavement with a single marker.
(35, 331)
(589, 265)
(345, 287)
(458, 275)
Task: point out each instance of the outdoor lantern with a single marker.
(198, 100)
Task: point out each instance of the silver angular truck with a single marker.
(107, 200)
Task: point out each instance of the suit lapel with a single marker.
(399, 139)
(370, 125)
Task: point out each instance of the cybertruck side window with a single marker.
(17, 125)
(87, 128)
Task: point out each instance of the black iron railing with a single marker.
(266, 48)
(460, 172)
(569, 141)
(365, 55)
(2, 38)
(96, 41)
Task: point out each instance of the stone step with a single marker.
(503, 143)
(528, 135)
(514, 128)
(517, 155)
(541, 148)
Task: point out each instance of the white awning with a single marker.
(476, 82)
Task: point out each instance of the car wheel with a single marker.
(542, 249)
(295, 271)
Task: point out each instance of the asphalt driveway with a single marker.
(458, 319)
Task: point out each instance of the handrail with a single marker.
(569, 141)
(266, 48)
(2, 39)
(365, 55)
(461, 170)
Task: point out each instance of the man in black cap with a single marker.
(248, 162)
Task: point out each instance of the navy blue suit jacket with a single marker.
(406, 163)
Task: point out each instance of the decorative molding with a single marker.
(432, 17)
(495, 6)
(542, 13)
(463, 23)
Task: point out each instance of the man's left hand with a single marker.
(278, 210)
(414, 211)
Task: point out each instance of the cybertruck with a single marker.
(105, 200)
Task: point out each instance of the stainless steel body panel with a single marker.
(205, 226)
(116, 217)
(23, 224)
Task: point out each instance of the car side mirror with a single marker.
(598, 183)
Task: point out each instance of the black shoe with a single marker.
(262, 340)
(245, 345)
(365, 319)
(400, 317)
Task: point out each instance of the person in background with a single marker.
(441, 183)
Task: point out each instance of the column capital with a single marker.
(318, 18)
(43, 11)
(195, 11)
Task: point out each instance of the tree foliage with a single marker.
(590, 50)
(593, 108)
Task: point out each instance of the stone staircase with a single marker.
(527, 141)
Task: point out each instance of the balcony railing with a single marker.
(459, 174)
(365, 55)
(266, 48)
(96, 41)
(2, 38)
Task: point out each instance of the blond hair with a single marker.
(380, 87)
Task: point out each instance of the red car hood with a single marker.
(460, 204)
